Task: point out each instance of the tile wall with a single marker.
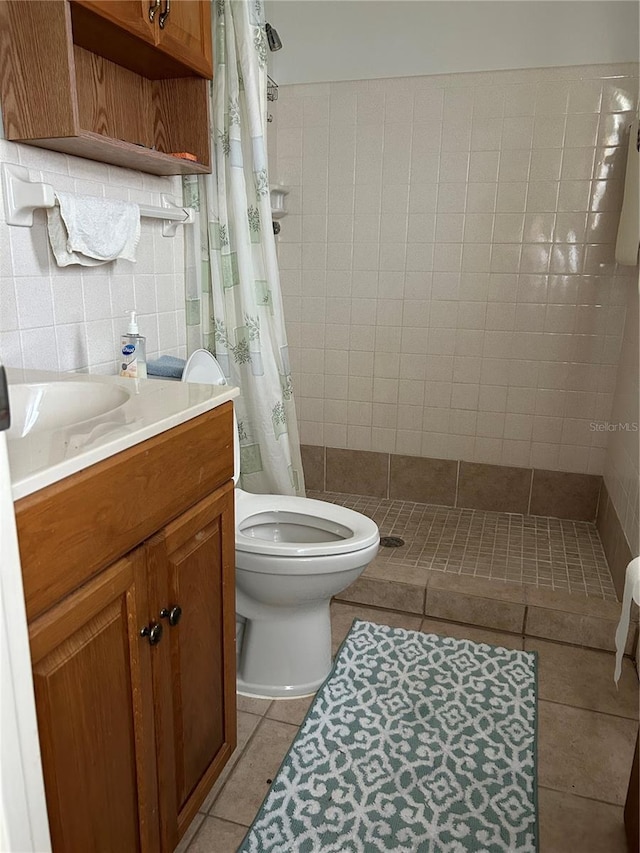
(618, 510)
(447, 261)
(71, 318)
(621, 474)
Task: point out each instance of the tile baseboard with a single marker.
(448, 482)
(614, 541)
(522, 610)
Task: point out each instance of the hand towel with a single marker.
(169, 366)
(629, 225)
(91, 231)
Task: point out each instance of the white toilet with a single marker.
(292, 555)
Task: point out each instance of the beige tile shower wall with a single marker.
(621, 473)
(71, 318)
(447, 264)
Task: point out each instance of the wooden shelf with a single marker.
(58, 95)
(117, 152)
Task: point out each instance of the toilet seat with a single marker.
(288, 526)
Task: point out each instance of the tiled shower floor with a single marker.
(546, 552)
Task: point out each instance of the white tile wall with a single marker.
(447, 261)
(622, 470)
(71, 318)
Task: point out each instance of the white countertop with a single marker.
(45, 456)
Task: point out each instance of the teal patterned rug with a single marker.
(414, 743)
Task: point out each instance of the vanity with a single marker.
(126, 532)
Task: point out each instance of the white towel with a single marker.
(91, 231)
(629, 226)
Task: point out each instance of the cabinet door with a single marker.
(191, 566)
(129, 15)
(186, 34)
(92, 678)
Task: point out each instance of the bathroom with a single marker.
(459, 334)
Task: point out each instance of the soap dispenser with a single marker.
(133, 351)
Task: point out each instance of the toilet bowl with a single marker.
(292, 555)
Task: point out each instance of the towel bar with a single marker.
(22, 196)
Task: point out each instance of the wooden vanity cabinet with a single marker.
(93, 688)
(196, 717)
(134, 654)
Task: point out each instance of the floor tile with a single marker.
(253, 706)
(590, 631)
(247, 724)
(584, 678)
(379, 592)
(291, 711)
(558, 600)
(470, 632)
(217, 836)
(569, 823)
(584, 752)
(483, 587)
(399, 572)
(485, 612)
(250, 779)
(552, 554)
(342, 616)
(190, 834)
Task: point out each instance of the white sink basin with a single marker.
(45, 406)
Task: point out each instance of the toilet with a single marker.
(292, 555)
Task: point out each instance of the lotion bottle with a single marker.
(133, 351)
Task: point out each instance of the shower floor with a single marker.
(546, 552)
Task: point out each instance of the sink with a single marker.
(39, 407)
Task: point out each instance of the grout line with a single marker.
(324, 468)
(600, 490)
(588, 710)
(533, 472)
(581, 796)
(455, 499)
(388, 493)
(561, 555)
(238, 759)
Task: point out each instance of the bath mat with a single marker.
(414, 743)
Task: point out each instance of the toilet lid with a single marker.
(288, 526)
(202, 367)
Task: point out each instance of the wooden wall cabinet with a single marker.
(134, 657)
(184, 35)
(99, 79)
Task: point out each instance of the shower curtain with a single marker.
(233, 266)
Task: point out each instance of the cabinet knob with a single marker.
(153, 9)
(153, 632)
(173, 614)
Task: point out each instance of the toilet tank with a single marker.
(202, 367)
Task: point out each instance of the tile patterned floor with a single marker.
(587, 730)
(525, 549)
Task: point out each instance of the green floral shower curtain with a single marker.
(232, 264)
